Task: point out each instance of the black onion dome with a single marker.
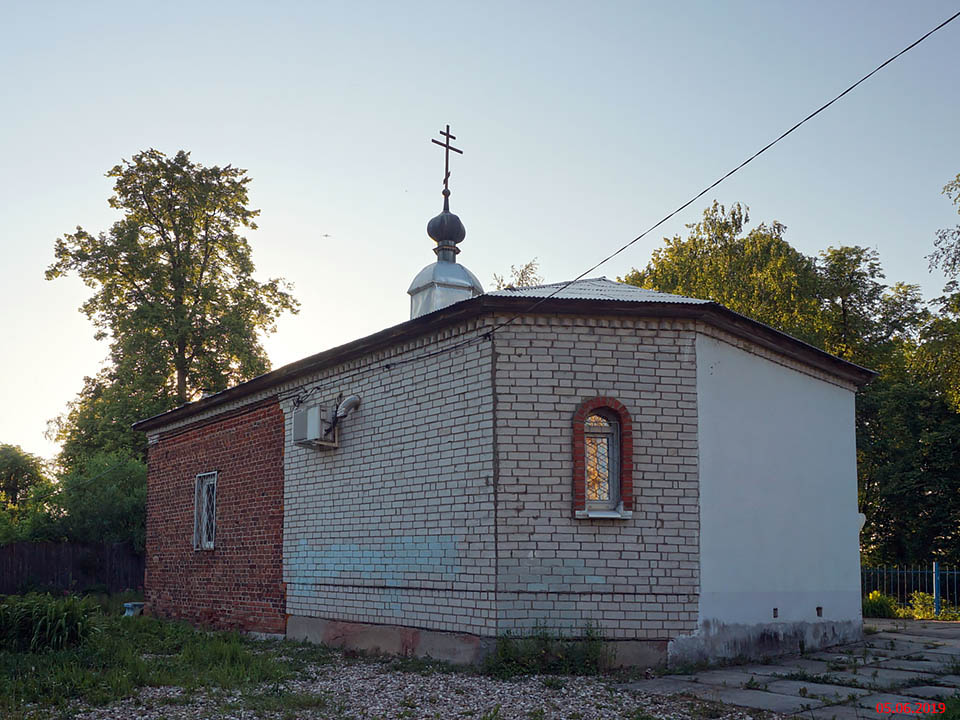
(446, 228)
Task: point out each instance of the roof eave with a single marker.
(712, 313)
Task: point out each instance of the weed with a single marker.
(554, 683)
(493, 714)
(545, 653)
(41, 623)
(952, 711)
(878, 605)
(421, 666)
(540, 714)
(271, 701)
(640, 714)
(804, 676)
(130, 653)
(707, 710)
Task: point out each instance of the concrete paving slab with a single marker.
(898, 648)
(814, 667)
(947, 632)
(760, 700)
(930, 666)
(944, 655)
(731, 677)
(766, 670)
(881, 679)
(949, 680)
(664, 686)
(929, 691)
(832, 693)
(862, 655)
(838, 712)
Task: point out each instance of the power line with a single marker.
(562, 286)
(719, 180)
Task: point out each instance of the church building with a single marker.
(671, 474)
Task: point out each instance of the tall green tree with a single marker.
(850, 296)
(908, 436)
(174, 292)
(756, 273)
(19, 472)
(941, 348)
(908, 447)
(105, 501)
(23, 486)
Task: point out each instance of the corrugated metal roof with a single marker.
(596, 289)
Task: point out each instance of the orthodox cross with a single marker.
(446, 156)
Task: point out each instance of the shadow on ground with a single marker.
(905, 662)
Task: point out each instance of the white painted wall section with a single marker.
(778, 493)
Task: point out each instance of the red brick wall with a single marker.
(239, 583)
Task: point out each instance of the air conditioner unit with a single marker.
(314, 427)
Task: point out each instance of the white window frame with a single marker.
(204, 516)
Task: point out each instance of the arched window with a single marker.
(602, 459)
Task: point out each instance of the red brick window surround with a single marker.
(615, 410)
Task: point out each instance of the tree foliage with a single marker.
(105, 501)
(174, 293)
(941, 347)
(23, 486)
(758, 274)
(19, 472)
(527, 275)
(908, 441)
(908, 428)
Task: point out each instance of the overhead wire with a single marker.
(488, 334)
(723, 177)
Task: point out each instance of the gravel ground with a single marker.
(372, 691)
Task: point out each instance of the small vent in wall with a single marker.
(819, 611)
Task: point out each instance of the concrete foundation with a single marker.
(457, 648)
(715, 640)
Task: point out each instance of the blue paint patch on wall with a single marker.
(399, 561)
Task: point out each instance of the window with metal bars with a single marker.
(205, 511)
(602, 461)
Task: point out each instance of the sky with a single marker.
(582, 124)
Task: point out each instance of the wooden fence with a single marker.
(26, 566)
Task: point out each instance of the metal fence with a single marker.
(901, 581)
(69, 566)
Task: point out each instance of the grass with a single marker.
(545, 653)
(119, 655)
(129, 653)
(953, 708)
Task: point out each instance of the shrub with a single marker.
(542, 652)
(41, 623)
(878, 605)
(921, 606)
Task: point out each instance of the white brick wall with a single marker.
(634, 578)
(396, 525)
